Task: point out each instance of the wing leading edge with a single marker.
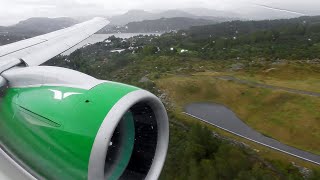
(37, 50)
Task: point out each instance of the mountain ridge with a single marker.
(158, 25)
(38, 25)
(141, 15)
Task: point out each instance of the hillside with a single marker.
(32, 27)
(166, 24)
(235, 28)
(141, 15)
(176, 66)
(213, 13)
(158, 25)
(37, 26)
(131, 16)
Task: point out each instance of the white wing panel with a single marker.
(40, 49)
(14, 47)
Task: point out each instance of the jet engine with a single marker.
(57, 123)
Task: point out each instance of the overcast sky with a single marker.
(12, 11)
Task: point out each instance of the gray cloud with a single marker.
(11, 11)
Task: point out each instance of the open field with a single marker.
(290, 118)
(300, 76)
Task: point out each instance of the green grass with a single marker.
(290, 118)
(295, 75)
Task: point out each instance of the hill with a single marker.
(235, 28)
(141, 15)
(37, 26)
(180, 65)
(131, 16)
(212, 13)
(166, 24)
(158, 25)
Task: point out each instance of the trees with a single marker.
(194, 153)
(149, 50)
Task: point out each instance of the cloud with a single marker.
(12, 11)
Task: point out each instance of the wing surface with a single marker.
(37, 50)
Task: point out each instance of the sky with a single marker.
(12, 11)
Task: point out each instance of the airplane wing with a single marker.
(37, 50)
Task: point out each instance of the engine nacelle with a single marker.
(58, 123)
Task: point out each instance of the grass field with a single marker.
(295, 75)
(290, 118)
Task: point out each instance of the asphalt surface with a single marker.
(241, 81)
(223, 118)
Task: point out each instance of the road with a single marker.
(223, 118)
(241, 81)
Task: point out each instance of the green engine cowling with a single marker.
(58, 123)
